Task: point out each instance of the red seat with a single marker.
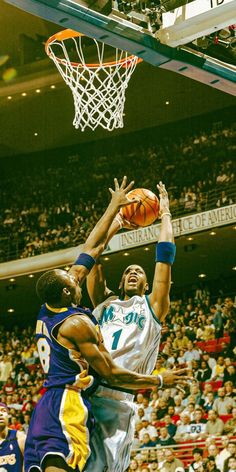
(225, 417)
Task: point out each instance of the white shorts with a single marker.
(112, 439)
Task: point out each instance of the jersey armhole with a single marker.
(151, 310)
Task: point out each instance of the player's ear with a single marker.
(66, 291)
(146, 287)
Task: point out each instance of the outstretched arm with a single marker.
(159, 297)
(96, 279)
(96, 241)
(80, 331)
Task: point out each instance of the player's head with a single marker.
(133, 281)
(4, 415)
(58, 288)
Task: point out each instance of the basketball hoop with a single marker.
(98, 89)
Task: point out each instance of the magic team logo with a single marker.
(114, 313)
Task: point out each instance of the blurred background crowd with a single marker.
(176, 429)
(197, 169)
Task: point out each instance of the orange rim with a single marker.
(69, 34)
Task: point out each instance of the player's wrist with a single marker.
(165, 252)
(160, 380)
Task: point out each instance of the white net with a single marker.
(98, 89)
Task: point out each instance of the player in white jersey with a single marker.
(131, 328)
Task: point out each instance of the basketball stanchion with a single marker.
(98, 89)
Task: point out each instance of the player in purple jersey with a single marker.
(69, 341)
(12, 444)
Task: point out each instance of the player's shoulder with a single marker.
(77, 326)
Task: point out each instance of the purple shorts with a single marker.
(60, 425)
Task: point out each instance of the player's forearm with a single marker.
(127, 379)
(166, 231)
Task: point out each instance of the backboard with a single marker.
(164, 33)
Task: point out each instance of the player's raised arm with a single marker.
(96, 279)
(81, 332)
(96, 241)
(165, 254)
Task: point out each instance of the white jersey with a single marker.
(131, 332)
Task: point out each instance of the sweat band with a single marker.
(165, 252)
(85, 260)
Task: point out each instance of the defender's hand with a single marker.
(119, 196)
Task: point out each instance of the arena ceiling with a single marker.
(212, 255)
(38, 117)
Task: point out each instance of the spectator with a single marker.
(215, 425)
(191, 354)
(5, 369)
(231, 465)
(230, 425)
(147, 428)
(204, 373)
(171, 463)
(209, 402)
(210, 465)
(222, 405)
(147, 442)
(198, 426)
(218, 370)
(171, 427)
(183, 429)
(197, 459)
(164, 438)
(229, 449)
(180, 341)
(218, 321)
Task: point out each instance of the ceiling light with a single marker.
(190, 238)
(9, 97)
(10, 310)
(37, 90)
(12, 280)
(172, 282)
(31, 276)
(126, 254)
(24, 94)
(167, 102)
(35, 134)
(53, 86)
(146, 249)
(234, 227)
(234, 268)
(212, 233)
(106, 258)
(201, 276)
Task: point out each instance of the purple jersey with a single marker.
(61, 365)
(10, 454)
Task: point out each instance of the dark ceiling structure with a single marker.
(36, 107)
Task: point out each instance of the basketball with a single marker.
(145, 212)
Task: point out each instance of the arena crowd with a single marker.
(198, 172)
(176, 430)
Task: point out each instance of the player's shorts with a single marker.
(112, 439)
(60, 425)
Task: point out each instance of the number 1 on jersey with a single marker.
(116, 336)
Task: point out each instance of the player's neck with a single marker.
(3, 433)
